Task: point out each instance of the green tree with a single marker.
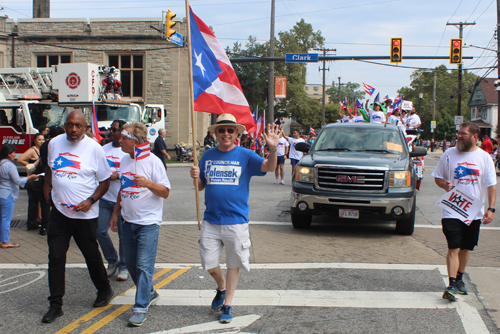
(350, 90)
(300, 39)
(254, 76)
(446, 98)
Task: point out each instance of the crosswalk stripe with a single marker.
(306, 298)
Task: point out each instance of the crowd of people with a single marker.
(84, 189)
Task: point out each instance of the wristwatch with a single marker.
(91, 200)
(492, 209)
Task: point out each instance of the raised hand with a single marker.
(273, 135)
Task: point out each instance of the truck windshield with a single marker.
(47, 114)
(111, 113)
(363, 139)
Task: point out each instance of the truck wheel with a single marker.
(299, 221)
(407, 226)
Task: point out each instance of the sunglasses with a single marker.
(229, 130)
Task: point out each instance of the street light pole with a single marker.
(433, 110)
(270, 89)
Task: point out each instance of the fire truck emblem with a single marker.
(73, 80)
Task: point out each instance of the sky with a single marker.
(352, 27)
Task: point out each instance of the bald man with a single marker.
(77, 176)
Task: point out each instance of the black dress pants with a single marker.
(61, 229)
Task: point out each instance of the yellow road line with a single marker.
(115, 313)
(75, 324)
(171, 278)
(107, 319)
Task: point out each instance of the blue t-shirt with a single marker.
(227, 178)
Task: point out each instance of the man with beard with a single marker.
(470, 169)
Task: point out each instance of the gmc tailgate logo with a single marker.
(350, 179)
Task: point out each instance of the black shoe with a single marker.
(43, 231)
(32, 228)
(52, 314)
(103, 297)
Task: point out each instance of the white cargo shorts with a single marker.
(236, 239)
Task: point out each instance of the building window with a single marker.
(473, 113)
(307, 87)
(316, 88)
(482, 113)
(52, 59)
(131, 72)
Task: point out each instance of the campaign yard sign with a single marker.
(460, 204)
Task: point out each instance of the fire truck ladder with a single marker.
(25, 83)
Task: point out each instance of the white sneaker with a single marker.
(282, 182)
(276, 182)
(122, 275)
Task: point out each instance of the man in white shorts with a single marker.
(225, 172)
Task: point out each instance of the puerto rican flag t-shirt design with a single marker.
(66, 165)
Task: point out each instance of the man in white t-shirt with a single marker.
(468, 168)
(282, 152)
(293, 154)
(144, 186)
(77, 176)
(114, 155)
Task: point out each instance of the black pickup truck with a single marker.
(356, 171)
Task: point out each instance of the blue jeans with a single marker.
(6, 212)
(141, 243)
(108, 250)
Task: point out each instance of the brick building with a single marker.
(153, 71)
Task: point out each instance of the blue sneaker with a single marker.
(462, 290)
(450, 293)
(218, 300)
(137, 319)
(153, 298)
(226, 315)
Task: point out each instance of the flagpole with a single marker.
(191, 92)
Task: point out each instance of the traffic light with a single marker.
(396, 50)
(456, 51)
(169, 24)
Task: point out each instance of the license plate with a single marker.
(348, 213)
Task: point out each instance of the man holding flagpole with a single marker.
(225, 172)
(144, 185)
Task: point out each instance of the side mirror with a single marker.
(302, 147)
(19, 117)
(418, 151)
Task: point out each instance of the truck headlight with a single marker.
(400, 179)
(304, 174)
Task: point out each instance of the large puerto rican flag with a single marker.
(216, 86)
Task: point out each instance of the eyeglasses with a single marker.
(115, 129)
(229, 130)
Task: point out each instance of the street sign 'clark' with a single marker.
(301, 58)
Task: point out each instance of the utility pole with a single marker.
(270, 89)
(498, 64)
(340, 99)
(323, 123)
(434, 109)
(460, 27)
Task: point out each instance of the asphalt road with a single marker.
(336, 277)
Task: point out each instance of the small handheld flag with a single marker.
(142, 151)
(311, 131)
(368, 89)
